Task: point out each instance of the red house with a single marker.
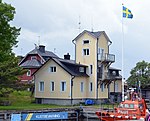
(34, 60)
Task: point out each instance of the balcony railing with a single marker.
(106, 57)
(107, 76)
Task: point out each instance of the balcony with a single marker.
(108, 76)
(106, 57)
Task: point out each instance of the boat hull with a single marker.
(113, 117)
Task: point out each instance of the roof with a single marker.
(68, 65)
(71, 68)
(115, 69)
(43, 54)
(94, 34)
(31, 64)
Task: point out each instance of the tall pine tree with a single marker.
(9, 69)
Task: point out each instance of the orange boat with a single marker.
(134, 108)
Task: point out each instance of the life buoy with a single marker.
(147, 117)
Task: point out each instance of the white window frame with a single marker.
(52, 86)
(33, 57)
(29, 72)
(86, 52)
(82, 87)
(91, 69)
(86, 40)
(63, 83)
(81, 69)
(42, 61)
(100, 50)
(116, 87)
(41, 86)
(102, 87)
(90, 87)
(52, 69)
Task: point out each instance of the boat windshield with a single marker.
(126, 105)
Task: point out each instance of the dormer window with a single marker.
(81, 69)
(33, 57)
(29, 73)
(86, 41)
(42, 61)
(114, 73)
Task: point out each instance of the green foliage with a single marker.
(5, 92)
(21, 100)
(8, 33)
(141, 72)
(9, 69)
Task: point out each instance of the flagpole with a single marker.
(122, 58)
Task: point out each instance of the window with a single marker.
(63, 86)
(42, 61)
(33, 57)
(81, 86)
(114, 73)
(91, 69)
(91, 87)
(100, 51)
(29, 73)
(102, 87)
(116, 87)
(53, 69)
(52, 86)
(85, 41)
(126, 105)
(81, 69)
(86, 52)
(41, 86)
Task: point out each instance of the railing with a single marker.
(106, 75)
(106, 57)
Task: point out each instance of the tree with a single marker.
(141, 72)
(9, 69)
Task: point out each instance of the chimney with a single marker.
(42, 48)
(67, 56)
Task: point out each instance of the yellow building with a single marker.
(92, 49)
(67, 82)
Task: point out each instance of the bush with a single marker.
(4, 92)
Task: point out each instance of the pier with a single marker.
(74, 114)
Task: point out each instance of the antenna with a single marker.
(38, 40)
(54, 50)
(92, 24)
(79, 24)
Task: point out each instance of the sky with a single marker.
(55, 23)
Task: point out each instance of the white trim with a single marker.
(90, 89)
(102, 87)
(52, 69)
(82, 87)
(51, 86)
(85, 54)
(33, 57)
(40, 86)
(29, 72)
(84, 41)
(65, 86)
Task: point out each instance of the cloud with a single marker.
(56, 22)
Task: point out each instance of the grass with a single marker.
(21, 100)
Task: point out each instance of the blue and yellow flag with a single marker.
(127, 13)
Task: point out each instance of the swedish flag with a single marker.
(127, 13)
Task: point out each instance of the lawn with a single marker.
(21, 100)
